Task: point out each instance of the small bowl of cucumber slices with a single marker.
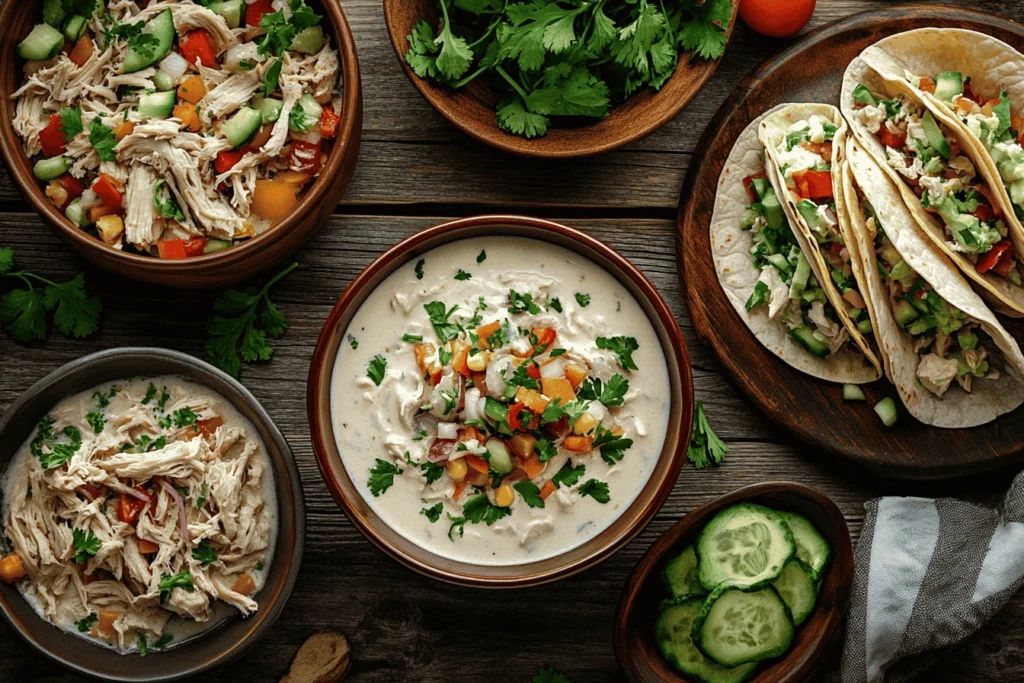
(752, 586)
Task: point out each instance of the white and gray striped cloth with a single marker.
(929, 572)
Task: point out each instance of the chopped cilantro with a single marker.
(521, 303)
(433, 513)
(598, 490)
(530, 493)
(204, 553)
(419, 268)
(463, 275)
(382, 476)
(582, 299)
(85, 625)
(568, 475)
(150, 394)
(168, 583)
(412, 338)
(439, 318)
(85, 543)
(377, 368)
(482, 256)
(623, 347)
(705, 446)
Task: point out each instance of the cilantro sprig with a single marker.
(382, 476)
(245, 323)
(477, 510)
(23, 312)
(85, 544)
(705, 446)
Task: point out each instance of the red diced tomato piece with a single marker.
(304, 157)
(71, 185)
(989, 259)
(329, 123)
(171, 249)
(108, 192)
(52, 138)
(814, 184)
(226, 160)
(514, 421)
(129, 507)
(196, 45)
(890, 139)
(533, 371)
(254, 12)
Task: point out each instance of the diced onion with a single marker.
(553, 370)
(472, 411)
(447, 430)
(597, 410)
(90, 199)
(312, 136)
(174, 65)
(480, 406)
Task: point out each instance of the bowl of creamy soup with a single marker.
(500, 401)
(151, 519)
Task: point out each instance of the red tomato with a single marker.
(533, 371)
(748, 185)
(179, 249)
(890, 139)
(254, 12)
(983, 212)
(814, 184)
(52, 138)
(196, 45)
(545, 338)
(927, 84)
(776, 18)
(226, 160)
(329, 123)
(108, 192)
(1005, 265)
(129, 507)
(989, 259)
(71, 185)
(304, 157)
(513, 416)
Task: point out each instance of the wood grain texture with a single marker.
(412, 162)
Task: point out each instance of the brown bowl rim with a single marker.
(180, 662)
(647, 503)
(839, 573)
(558, 143)
(348, 136)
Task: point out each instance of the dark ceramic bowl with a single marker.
(635, 648)
(234, 636)
(212, 270)
(631, 521)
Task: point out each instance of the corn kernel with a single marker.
(478, 363)
(110, 229)
(585, 423)
(457, 469)
(504, 496)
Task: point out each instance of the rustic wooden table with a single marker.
(415, 170)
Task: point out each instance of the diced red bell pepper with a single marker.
(989, 259)
(927, 84)
(129, 507)
(748, 185)
(227, 159)
(533, 371)
(107, 190)
(890, 139)
(52, 139)
(254, 12)
(71, 185)
(983, 212)
(1005, 265)
(545, 339)
(477, 464)
(814, 184)
(304, 157)
(329, 123)
(93, 492)
(514, 422)
(196, 45)
(180, 249)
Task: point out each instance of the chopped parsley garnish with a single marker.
(143, 644)
(553, 412)
(482, 256)
(412, 338)
(96, 420)
(582, 299)
(419, 435)
(439, 315)
(164, 641)
(377, 368)
(86, 544)
(271, 77)
(201, 500)
(451, 398)
(568, 475)
(520, 378)
(476, 510)
(58, 453)
(419, 268)
(161, 405)
(521, 303)
(353, 342)
(168, 583)
(431, 470)
(146, 443)
(433, 513)
(500, 337)
(611, 394)
(444, 356)
(598, 490)
(150, 394)
(546, 450)
(613, 446)
(143, 43)
(705, 446)
(164, 204)
(71, 122)
(555, 305)
(183, 417)
(85, 625)
(623, 347)
(555, 353)
(463, 275)
(530, 493)
(382, 476)
(102, 139)
(204, 553)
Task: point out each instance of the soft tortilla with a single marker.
(730, 250)
(997, 288)
(956, 408)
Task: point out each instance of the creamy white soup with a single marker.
(500, 400)
(140, 513)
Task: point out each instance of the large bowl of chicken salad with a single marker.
(185, 142)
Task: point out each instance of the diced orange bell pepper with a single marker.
(547, 489)
(423, 352)
(485, 331)
(558, 387)
(244, 584)
(82, 51)
(459, 361)
(11, 568)
(123, 130)
(575, 373)
(477, 463)
(192, 89)
(146, 547)
(106, 621)
(578, 444)
(927, 84)
(186, 113)
(532, 466)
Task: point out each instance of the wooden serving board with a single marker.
(811, 71)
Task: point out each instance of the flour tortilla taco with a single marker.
(952, 362)
(771, 276)
(946, 180)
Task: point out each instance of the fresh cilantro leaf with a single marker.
(705, 446)
(235, 335)
(582, 299)
(85, 625)
(623, 347)
(419, 269)
(521, 303)
(444, 356)
(96, 420)
(183, 417)
(377, 368)
(439, 318)
(302, 15)
(482, 256)
(548, 674)
(431, 470)
(545, 450)
(611, 394)
(463, 275)
(204, 553)
(433, 513)
(382, 476)
(271, 77)
(163, 641)
(143, 644)
(568, 475)
(279, 33)
(150, 394)
(59, 453)
(6, 260)
(412, 338)
(71, 122)
(23, 314)
(353, 342)
(514, 118)
(500, 337)
(553, 412)
(455, 56)
(613, 446)
(201, 500)
(479, 509)
(85, 543)
(75, 313)
(598, 490)
(530, 493)
(102, 139)
(705, 31)
(168, 583)
(555, 305)
(164, 204)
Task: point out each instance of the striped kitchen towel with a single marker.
(929, 573)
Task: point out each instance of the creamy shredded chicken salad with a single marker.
(177, 129)
(140, 513)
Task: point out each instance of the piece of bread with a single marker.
(325, 657)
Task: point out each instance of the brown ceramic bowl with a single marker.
(235, 635)
(472, 109)
(635, 648)
(632, 520)
(213, 270)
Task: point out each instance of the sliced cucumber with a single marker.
(309, 40)
(157, 105)
(231, 10)
(886, 410)
(801, 276)
(680, 575)
(213, 246)
(163, 80)
(75, 213)
(811, 547)
(270, 109)
(44, 42)
(864, 326)
(851, 392)
(744, 545)
(75, 27)
(499, 457)
(162, 27)
(242, 126)
(797, 588)
(804, 336)
(53, 13)
(673, 633)
(48, 169)
(735, 627)
(306, 114)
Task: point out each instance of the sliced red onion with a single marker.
(181, 507)
(441, 450)
(141, 495)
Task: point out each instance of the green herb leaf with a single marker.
(163, 641)
(705, 446)
(612, 446)
(582, 299)
(555, 305)
(102, 139)
(598, 490)
(549, 674)
(419, 269)
(71, 122)
(168, 583)
(204, 553)
(611, 394)
(382, 476)
(568, 475)
(462, 275)
(412, 338)
(432, 471)
(530, 493)
(85, 543)
(521, 303)
(142, 643)
(377, 368)
(439, 318)
(482, 256)
(85, 625)
(546, 450)
(433, 513)
(623, 347)
(183, 417)
(271, 77)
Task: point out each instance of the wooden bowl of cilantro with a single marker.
(559, 79)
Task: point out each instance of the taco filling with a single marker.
(787, 285)
(951, 345)
(928, 159)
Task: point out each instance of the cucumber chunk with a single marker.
(948, 85)
(851, 392)
(811, 547)
(48, 169)
(270, 109)
(744, 545)
(801, 276)
(804, 336)
(673, 634)
(309, 40)
(735, 627)
(305, 114)
(162, 27)
(53, 12)
(680, 575)
(231, 10)
(773, 213)
(76, 214)
(75, 27)
(886, 410)
(163, 80)
(798, 590)
(213, 246)
(499, 457)
(44, 42)
(936, 140)
(157, 105)
(242, 126)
